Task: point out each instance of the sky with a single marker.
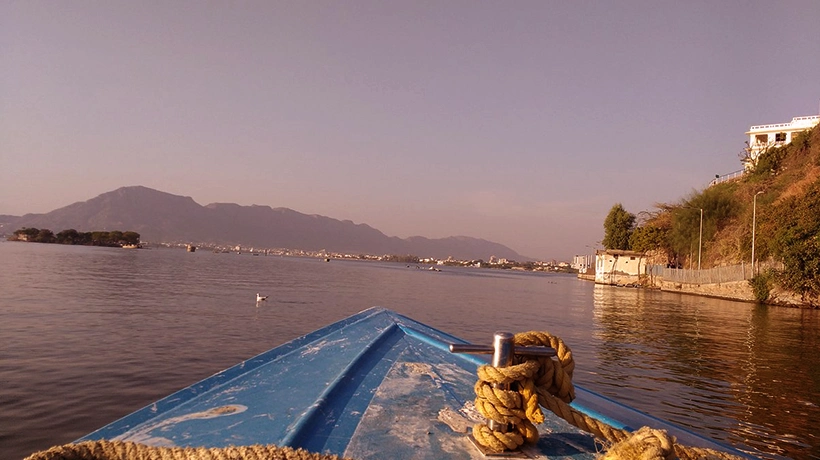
(519, 122)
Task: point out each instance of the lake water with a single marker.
(88, 335)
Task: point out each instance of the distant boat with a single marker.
(132, 246)
(191, 248)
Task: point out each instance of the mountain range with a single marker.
(163, 217)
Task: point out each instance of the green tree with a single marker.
(796, 241)
(762, 286)
(801, 272)
(31, 233)
(45, 236)
(69, 236)
(618, 227)
(130, 237)
(648, 237)
(719, 206)
(99, 238)
(115, 237)
(84, 238)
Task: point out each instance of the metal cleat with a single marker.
(503, 351)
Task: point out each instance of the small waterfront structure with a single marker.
(619, 267)
(764, 137)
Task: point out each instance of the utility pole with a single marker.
(754, 221)
(700, 237)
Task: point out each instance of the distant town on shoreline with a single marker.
(130, 239)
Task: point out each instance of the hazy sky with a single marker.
(518, 122)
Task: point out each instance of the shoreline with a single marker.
(740, 291)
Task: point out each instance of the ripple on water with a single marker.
(92, 334)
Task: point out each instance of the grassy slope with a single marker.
(783, 175)
(786, 182)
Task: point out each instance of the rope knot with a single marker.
(644, 444)
(509, 396)
(512, 396)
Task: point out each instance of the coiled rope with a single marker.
(119, 450)
(546, 382)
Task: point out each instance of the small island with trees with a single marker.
(114, 238)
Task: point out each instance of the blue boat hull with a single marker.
(375, 384)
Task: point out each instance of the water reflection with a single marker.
(88, 335)
(712, 365)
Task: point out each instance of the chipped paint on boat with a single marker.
(374, 383)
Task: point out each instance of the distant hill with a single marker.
(162, 217)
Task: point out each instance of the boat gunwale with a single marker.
(588, 402)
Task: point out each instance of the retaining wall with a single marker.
(734, 290)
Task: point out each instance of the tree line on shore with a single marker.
(114, 238)
(769, 214)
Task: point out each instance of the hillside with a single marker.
(162, 217)
(780, 198)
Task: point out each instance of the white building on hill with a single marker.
(763, 137)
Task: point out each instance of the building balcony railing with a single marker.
(795, 121)
(727, 177)
(776, 125)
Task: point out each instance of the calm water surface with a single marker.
(88, 335)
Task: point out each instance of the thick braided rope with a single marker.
(520, 407)
(118, 450)
(506, 406)
(623, 440)
(555, 375)
(548, 382)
